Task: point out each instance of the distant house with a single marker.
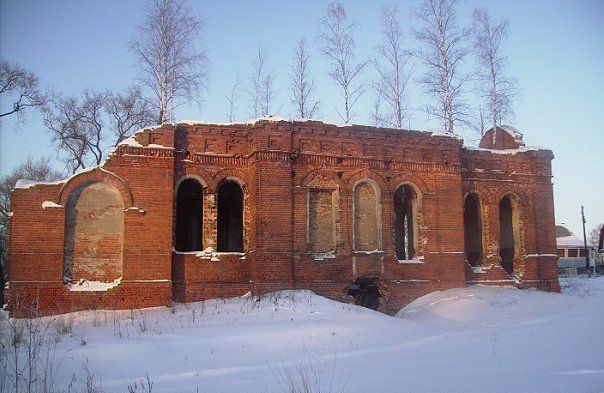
(571, 249)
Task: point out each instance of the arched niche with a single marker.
(94, 233)
(366, 216)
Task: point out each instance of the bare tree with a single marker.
(336, 43)
(443, 52)
(232, 99)
(302, 86)
(267, 89)
(38, 170)
(260, 89)
(479, 122)
(85, 126)
(76, 125)
(377, 118)
(391, 67)
(170, 64)
(497, 90)
(21, 87)
(128, 112)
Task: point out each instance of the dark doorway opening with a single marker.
(230, 217)
(506, 235)
(366, 292)
(189, 216)
(404, 199)
(472, 230)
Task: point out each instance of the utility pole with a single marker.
(585, 243)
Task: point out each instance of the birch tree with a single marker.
(232, 99)
(443, 50)
(335, 42)
(302, 86)
(260, 89)
(391, 68)
(377, 118)
(169, 62)
(497, 90)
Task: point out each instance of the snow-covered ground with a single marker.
(477, 339)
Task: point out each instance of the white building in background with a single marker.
(571, 249)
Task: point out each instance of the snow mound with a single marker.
(476, 338)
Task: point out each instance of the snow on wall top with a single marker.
(276, 119)
(517, 135)
(522, 149)
(269, 118)
(24, 183)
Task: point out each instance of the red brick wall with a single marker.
(276, 164)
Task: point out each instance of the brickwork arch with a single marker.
(229, 174)
(355, 177)
(413, 180)
(97, 174)
(195, 177)
(322, 178)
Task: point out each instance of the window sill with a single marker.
(319, 256)
(414, 261)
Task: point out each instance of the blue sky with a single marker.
(554, 48)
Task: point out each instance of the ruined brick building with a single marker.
(195, 211)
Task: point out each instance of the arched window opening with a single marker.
(94, 233)
(404, 226)
(472, 230)
(189, 216)
(366, 218)
(507, 241)
(230, 217)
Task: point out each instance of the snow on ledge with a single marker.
(319, 256)
(25, 183)
(522, 149)
(135, 209)
(269, 118)
(209, 253)
(92, 286)
(446, 134)
(50, 204)
(540, 255)
(414, 261)
(369, 252)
